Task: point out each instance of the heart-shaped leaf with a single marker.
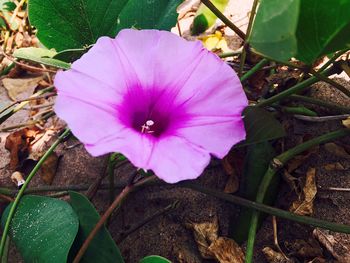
(67, 24)
(43, 229)
(305, 29)
(102, 249)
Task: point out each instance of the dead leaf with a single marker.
(292, 181)
(336, 150)
(304, 205)
(48, 168)
(205, 234)
(273, 256)
(334, 244)
(305, 249)
(15, 87)
(232, 183)
(17, 143)
(346, 122)
(226, 250)
(334, 167)
(40, 143)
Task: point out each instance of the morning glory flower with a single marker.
(165, 103)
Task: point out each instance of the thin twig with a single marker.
(223, 18)
(118, 200)
(321, 119)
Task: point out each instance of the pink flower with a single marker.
(163, 102)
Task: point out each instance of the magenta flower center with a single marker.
(151, 111)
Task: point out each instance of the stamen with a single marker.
(146, 128)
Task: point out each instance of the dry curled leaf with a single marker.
(17, 143)
(334, 167)
(48, 168)
(15, 87)
(304, 205)
(305, 249)
(204, 235)
(346, 122)
(337, 150)
(335, 244)
(226, 250)
(273, 256)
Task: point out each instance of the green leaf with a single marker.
(305, 29)
(102, 249)
(43, 229)
(154, 259)
(40, 55)
(205, 18)
(256, 163)
(70, 55)
(324, 27)
(67, 24)
(260, 126)
(273, 32)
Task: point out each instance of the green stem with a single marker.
(331, 82)
(336, 55)
(246, 39)
(267, 209)
(24, 186)
(297, 88)
(223, 18)
(276, 164)
(229, 54)
(254, 69)
(338, 108)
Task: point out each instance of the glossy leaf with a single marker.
(67, 24)
(274, 28)
(154, 259)
(260, 126)
(40, 55)
(43, 229)
(102, 249)
(324, 27)
(305, 29)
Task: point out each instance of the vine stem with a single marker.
(276, 164)
(254, 69)
(298, 87)
(332, 106)
(246, 39)
(118, 200)
(223, 18)
(267, 209)
(24, 186)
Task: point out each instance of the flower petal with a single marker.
(214, 134)
(102, 62)
(85, 88)
(174, 159)
(149, 63)
(88, 123)
(213, 89)
(136, 147)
